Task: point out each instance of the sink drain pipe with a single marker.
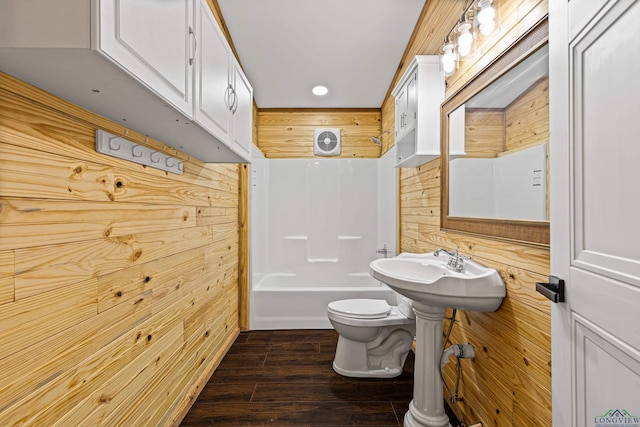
(460, 351)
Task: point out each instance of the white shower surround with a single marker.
(315, 227)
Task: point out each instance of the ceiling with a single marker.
(353, 47)
(513, 83)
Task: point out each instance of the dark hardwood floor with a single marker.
(285, 378)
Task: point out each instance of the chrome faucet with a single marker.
(440, 250)
(456, 260)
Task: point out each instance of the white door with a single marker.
(595, 211)
(154, 41)
(213, 86)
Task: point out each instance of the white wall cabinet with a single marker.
(418, 95)
(223, 93)
(129, 60)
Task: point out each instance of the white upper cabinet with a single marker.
(418, 95)
(154, 41)
(224, 97)
(146, 64)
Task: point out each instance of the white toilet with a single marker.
(374, 337)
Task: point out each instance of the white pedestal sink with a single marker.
(433, 288)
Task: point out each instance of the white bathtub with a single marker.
(291, 301)
(315, 227)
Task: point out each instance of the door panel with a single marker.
(594, 211)
(603, 361)
(606, 172)
(151, 40)
(213, 87)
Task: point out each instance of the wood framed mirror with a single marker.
(478, 194)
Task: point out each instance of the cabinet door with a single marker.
(401, 112)
(153, 41)
(213, 88)
(242, 114)
(412, 102)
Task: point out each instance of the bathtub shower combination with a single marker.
(315, 227)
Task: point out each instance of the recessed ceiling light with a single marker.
(320, 90)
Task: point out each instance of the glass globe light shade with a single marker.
(448, 59)
(487, 12)
(465, 39)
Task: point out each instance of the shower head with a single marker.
(376, 139)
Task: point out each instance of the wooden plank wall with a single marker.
(527, 118)
(118, 282)
(288, 133)
(509, 381)
(484, 131)
(491, 132)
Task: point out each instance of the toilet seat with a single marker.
(360, 308)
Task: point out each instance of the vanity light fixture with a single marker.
(478, 20)
(320, 90)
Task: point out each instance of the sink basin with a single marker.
(426, 279)
(433, 288)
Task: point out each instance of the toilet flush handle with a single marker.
(383, 251)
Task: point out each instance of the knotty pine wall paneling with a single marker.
(527, 118)
(118, 282)
(288, 133)
(484, 132)
(509, 381)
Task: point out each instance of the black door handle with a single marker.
(554, 290)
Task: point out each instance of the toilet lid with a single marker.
(361, 308)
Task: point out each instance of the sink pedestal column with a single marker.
(427, 407)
